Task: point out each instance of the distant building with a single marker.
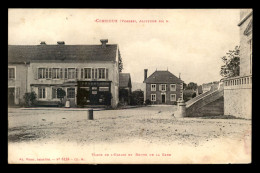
(125, 88)
(199, 90)
(162, 87)
(238, 90)
(209, 86)
(89, 74)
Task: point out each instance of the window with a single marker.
(101, 73)
(153, 87)
(173, 97)
(106, 73)
(173, 87)
(11, 73)
(163, 87)
(87, 73)
(77, 72)
(41, 73)
(56, 73)
(71, 93)
(71, 73)
(153, 97)
(41, 93)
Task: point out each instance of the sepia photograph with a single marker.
(129, 86)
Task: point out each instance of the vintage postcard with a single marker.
(129, 86)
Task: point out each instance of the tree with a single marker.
(61, 94)
(192, 86)
(231, 63)
(120, 62)
(30, 98)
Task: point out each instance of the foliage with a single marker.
(60, 94)
(187, 95)
(120, 62)
(192, 86)
(193, 95)
(137, 98)
(231, 63)
(30, 98)
(148, 102)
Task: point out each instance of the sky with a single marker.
(189, 41)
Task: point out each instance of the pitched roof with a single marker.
(162, 77)
(125, 80)
(22, 53)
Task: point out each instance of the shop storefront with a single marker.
(94, 93)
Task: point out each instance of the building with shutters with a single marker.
(162, 87)
(88, 74)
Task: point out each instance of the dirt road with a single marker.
(152, 125)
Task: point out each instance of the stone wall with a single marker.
(238, 102)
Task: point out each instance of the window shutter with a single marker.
(36, 73)
(81, 73)
(77, 71)
(160, 87)
(106, 73)
(65, 73)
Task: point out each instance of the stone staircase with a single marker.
(210, 103)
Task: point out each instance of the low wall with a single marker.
(238, 102)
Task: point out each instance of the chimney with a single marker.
(43, 43)
(145, 73)
(60, 42)
(104, 42)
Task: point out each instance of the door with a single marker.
(11, 96)
(163, 98)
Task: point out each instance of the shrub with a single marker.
(148, 102)
(30, 98)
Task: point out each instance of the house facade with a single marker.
(88, 74)
(162, 87)
(238, 90)
(17, 79)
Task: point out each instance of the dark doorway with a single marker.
(163, 98)
(11, 96)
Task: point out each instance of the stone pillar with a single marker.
(181, 112)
